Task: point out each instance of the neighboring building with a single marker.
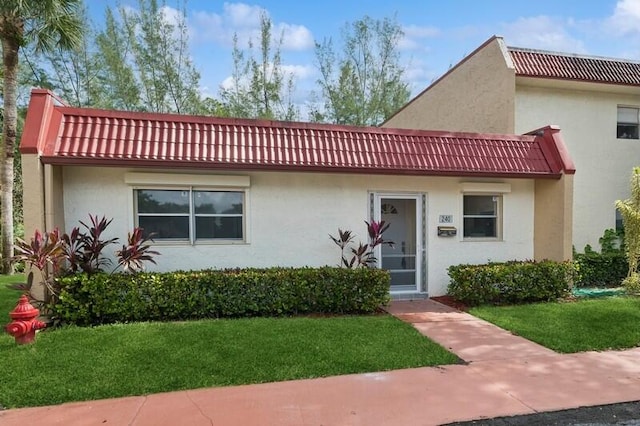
(594, 101)
(237, 193)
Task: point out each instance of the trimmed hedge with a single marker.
(103, 298)
(601, 269)
(511, 282)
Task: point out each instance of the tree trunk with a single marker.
(10, 48)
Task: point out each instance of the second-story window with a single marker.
(628, 118)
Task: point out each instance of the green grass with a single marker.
(8, 297)
(72, 364)
(594, 324)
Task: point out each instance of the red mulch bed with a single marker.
(450, 301)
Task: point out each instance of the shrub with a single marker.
(511, 282)
(56, 255)
(607, 268)
(612, 241)
(630, 212)
(601, 269)
(632, 284)
(102, 298)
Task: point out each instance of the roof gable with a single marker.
(565, 66)
(96, 137)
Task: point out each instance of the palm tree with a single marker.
(49, 24)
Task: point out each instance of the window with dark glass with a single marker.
(481, 216)
(191, 215)
(218, 214)
(619, 222)
(628, 119)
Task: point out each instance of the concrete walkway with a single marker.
(504, 375)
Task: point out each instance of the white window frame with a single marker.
(498, 216)
(192, 215)
(192, 183)
(628, 123)
(136, 218)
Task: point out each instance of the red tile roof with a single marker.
(97, 137)
(536, 63)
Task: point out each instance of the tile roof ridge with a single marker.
(571, 54)
(273, 124)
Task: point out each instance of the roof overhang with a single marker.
(61, 135)
(576, 85)
(226, 167)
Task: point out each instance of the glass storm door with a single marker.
(402, 213)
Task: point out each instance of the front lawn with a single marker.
(8, 297)
(586, 325)
(72, 364)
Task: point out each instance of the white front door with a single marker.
(403, 213)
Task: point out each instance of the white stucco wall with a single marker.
(587, 120)
(290, 216)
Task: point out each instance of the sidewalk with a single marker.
(505, 375)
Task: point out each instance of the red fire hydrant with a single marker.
(24, 324)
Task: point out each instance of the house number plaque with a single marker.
(445, 218)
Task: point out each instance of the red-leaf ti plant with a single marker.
(375, 229)
(136, 252)
(91, 245)
(74, 249)
(343, 240)
(46, 253)
(363, 255)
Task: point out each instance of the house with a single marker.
(594, 100)
(253, 193)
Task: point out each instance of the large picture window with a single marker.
(481, 216)
(190, 214)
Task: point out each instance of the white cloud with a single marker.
(242, 15)
(244, 21)
(211, 27)
(170, 15)
(128, 10)
(228, 83)
(175, 18)
(417, 31)
(626, 17)
(414, 36)
(299, 72)
(417, 72)
(206, 92)
(294, 37)
(543, 32)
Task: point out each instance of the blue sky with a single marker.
(438, 34)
